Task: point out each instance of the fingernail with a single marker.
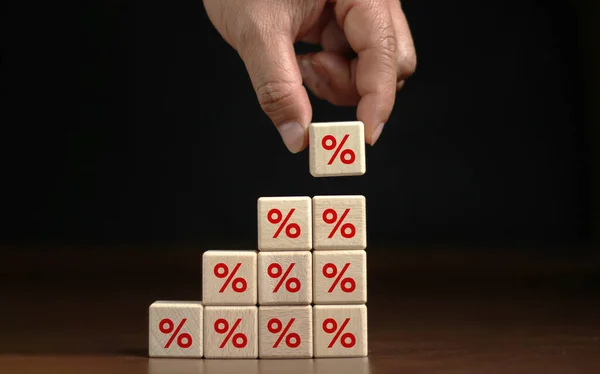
(375, 135)
(311, 72)
(308, 73)
(292, 134)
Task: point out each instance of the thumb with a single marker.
(271, 62)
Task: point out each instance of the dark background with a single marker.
(134, 123)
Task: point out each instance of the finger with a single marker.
(407, 58)
(333, 39)
(328, 34)
(314, 34)
(271, 63)
(330, 76)
(370, 32)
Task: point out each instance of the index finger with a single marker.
(369, 28)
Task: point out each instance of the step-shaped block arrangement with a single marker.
(276, 302)
(302, 293)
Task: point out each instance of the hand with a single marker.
(367, 54)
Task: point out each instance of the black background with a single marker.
(134, 123)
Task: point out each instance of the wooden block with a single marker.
(284, 223)
(285, 331)
(175, 329)
(285, 278)
(340, 330)
(231, 332)
(339, 222)
(340, 277)
(336, 149)
(229, 277)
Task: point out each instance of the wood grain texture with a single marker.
(231, 332)
(275, 341)
(349, 288)
(332, 338)
(332, 135)
(295, 285)
(498, 310)
(167, 315)
(215, 291)
(275, 233)
(355, 220)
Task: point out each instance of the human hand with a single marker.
(367, 53)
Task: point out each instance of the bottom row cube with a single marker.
(189, 329)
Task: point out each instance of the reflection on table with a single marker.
(283, 366)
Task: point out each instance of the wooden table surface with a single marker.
(450, 311)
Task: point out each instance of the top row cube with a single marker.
(337, 149)
(297, 223)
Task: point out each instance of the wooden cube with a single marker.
(336, 149)
(285, 278)
(285, 332)
(231, 332)
(339, 222)
(229, 277)
(340, 330)
(285, 223)
(340, 277)
(175, 329)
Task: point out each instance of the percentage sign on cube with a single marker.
(330, 271)
(166, 326)
(275, 217)
(238, 285)
(292, 340)
(275, 271)
(347, 156)
(330, 217)
(347, 340)
(238, 340)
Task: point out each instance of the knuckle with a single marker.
(276, 96)
(407, 62)
(387, 45)
(388, 42)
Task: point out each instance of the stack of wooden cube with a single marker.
(302, 294)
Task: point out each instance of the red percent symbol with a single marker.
(239, 284)
(330, 216)
(275, 216)
(347, 340)
(329, 143)
(238, 340)
(292, 340)
(291, 285)
(166, 326)
(348, 284)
